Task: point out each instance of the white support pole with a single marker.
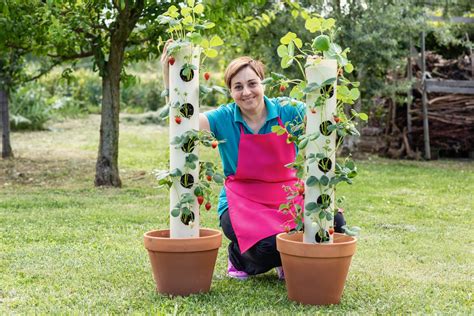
(326, 145)
(182, 93)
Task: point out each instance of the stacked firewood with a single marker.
(450, 116)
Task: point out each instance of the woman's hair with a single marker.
(240, 63)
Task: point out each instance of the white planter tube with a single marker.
(319, 73)
(183, 92)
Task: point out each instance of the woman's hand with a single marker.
(165, 64)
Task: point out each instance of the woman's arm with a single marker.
(204, 122)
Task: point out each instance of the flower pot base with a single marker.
(315, 273)
(183, 266)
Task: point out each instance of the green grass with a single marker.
(69, 247)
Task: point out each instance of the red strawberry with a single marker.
(214, 144)
(331, 231)
(301, 190)
(209, 178)
(282, 88)
(178, 119)
(208, 206)
(171, 60)
(200, 199)
(337, 119)
(207, 76)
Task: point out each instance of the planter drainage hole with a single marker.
(187, 110)
(329, 88)
(187, 180)
(189, 146)
(186, 77)
(325, 200)
(325, 164)
(186, 218)
(324, 128)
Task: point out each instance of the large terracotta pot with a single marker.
(183, 266)
(315, 273)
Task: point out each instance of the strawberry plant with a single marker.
(188, 179)
(329, 118)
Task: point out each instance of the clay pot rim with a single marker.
(299, 248)
(209, 239)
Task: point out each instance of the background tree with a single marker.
(23, 33)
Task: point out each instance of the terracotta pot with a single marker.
(183, 266)
(315, 273)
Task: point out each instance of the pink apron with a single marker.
(255, 192)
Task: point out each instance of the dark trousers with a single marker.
(260, 258)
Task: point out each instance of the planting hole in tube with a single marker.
(187, 180)
(187, 218)
(187, 110)
(328, 89)
(186, 74)
(325, 164)
(318, 237)
(325, 200)
(189, 146)
(324, 128)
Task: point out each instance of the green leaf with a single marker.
(282, 51)
(190, 3)
(324, 180)
(218, 178)
(195, 38)
(278, 130)
(313, 24)
(311, 206)
(322, 214)
(175, 212)
(216, 41)
(176, 173)
(354, 93)
(348, 68)
(328, 24)
(363, 116)
(298, 42)
(303, 143)
(312, 181)
(165, 93)
(329, 216)
(267, 80)
(186, 11)
(286, 62)
(210, 52)
(199, 9)
(291, 49)
(288, 38)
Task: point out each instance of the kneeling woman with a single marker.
(254, 162)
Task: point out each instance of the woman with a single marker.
(254, 162)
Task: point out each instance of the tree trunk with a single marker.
(107, 172)
(5, 121)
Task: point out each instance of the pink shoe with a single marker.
(280, 273)
(234, 273)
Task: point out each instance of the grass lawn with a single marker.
(67, 246)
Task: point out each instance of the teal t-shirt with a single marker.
(225, 122)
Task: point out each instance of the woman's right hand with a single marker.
(165, 64)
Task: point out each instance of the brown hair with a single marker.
(240, 63)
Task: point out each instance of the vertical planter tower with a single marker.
(184, 117)
(183, 257)
(316, 262)
(325, 147)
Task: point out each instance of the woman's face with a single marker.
(247, 90)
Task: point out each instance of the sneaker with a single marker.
(280, 273)
(234, 273)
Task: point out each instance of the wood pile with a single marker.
(450, 116)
